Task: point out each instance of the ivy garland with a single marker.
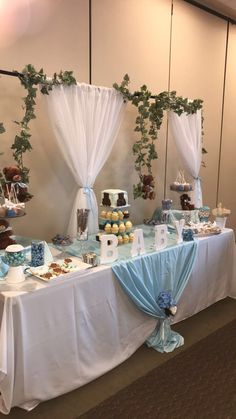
(31, 80)
(2, 129)
(148, 122)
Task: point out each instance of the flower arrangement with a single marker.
(167, 303)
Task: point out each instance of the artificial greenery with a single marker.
(2, 129)
(148, 122)
(33, 80)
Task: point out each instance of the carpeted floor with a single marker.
(197, 383)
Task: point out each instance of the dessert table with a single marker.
(74, 329)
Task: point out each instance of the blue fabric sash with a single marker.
(143, 278)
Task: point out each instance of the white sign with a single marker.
(109, 251)
(138, 247)
(179, 225)
(160, 236)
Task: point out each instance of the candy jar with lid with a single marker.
(15, 258)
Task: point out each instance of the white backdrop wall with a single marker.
(131, 37)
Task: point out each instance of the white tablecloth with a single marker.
(64, 335)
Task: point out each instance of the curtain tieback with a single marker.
(87, 189)
(197, 178)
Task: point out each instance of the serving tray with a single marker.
(58, 268)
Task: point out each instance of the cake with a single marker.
(114, 198)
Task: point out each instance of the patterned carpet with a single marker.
(198, 383)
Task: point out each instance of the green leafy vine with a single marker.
(148, 122)
(2, 129)
(33, 80)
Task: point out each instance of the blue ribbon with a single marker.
(88, 190)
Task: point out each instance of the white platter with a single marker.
(213, 233)
(58, 268)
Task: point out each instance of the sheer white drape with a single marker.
(186, 130)
(85, 120)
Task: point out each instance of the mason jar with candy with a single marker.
(37, 253)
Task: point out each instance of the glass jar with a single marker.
(15, 258)
(14, 255)
(37, 253)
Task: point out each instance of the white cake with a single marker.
(114, 198)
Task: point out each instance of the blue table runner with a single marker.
(144, 277)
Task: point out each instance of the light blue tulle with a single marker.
(143, 278)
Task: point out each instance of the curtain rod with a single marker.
(11, 73)
(211, 11)
(16, 74)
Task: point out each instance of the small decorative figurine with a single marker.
(121, 200)
(185, 202)
(106, 200)
(166, 204)
(187, 234)
(148, 187)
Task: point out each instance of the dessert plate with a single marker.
(58, 268)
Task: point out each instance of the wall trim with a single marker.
(211, 11)
(222, 115)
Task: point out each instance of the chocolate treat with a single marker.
(67, 260)
(106, 200)
(121, 200)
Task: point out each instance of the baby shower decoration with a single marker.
(148, 122)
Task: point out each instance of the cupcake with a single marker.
(114, 216)
(126, 239)
(120, 239)
(108, 228)
(115, 229)
(128, 225)
(108, 215)
(121, 228)
(121, 215)
(126, 214)
(131, 237)
(103, 214)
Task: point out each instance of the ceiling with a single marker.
(225, 7)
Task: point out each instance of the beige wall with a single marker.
(62, 43)
(128, 36)
(133, 40)
(228, 151)
(197, 71)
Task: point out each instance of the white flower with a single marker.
(173, 310)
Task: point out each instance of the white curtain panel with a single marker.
(187, 134)
(85, 121)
